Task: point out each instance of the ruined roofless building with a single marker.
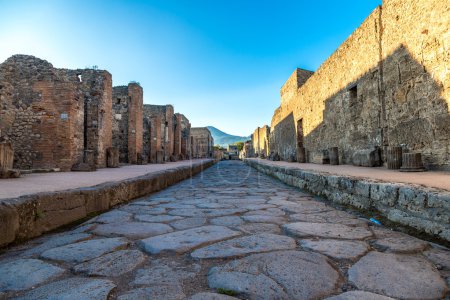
(202, 143)
(260, 141)
(127, 122)
(54, 118)
(386, 85)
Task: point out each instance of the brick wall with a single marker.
(127, 118)
(202, 142)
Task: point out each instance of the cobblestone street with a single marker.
(227, 233)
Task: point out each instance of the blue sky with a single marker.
(220, 63)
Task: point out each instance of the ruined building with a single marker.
(54, 118)
(386, 85)
(166, 134)
(127, 120)
(260, 141)
(202, 143)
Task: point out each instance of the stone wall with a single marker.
(202, 142)
(386, 85)
(32, 215)
(165, 115)
(52, 115)
(42, 110)
(260, 140)
(185, 137)
(128, 122)
(424, 209)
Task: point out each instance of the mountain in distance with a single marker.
(224, 139)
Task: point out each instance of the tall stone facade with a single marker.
(158, 131)
(202, 143)
(185, 127)
(127, 123)
(260, 141)
(51, 116)
(386, 85)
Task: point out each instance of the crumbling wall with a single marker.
(185, 137)
(260, 140)
(128, 122)
(202, 142)
(386, 85)
(41, 108)
(165, 115)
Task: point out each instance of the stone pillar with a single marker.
(135, 120)
(177, 136)
(155, 138)
(112, 155)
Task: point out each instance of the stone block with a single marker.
(112, 157)
(333, 153)
(142, 159)
(319, 157)
(6, 162)
(301, 154)
(367, 158)
(9, 224)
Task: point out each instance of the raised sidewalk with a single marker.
(418, 200)
(38, 203)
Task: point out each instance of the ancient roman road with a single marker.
(229, 230)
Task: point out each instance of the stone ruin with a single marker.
(60, 119)
(202, 143)
(382, 95)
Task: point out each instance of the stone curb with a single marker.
(29, 216)
(424, 209)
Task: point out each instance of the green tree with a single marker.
(240, 145)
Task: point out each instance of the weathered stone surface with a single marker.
(73, 289)
(204, 212)
(112, 264)
(114, 216)
(439, 257)
(57, 242)
(264, 219)
(227, 221)
(166, 292)
(255, 228)
(359, 295)
(140, 209)
(210, 296)
(398, 276)
(263, 242)
(276, 275)
(9, 224)
(83, 251)
(165, 272)
(326, 230)
(132, 230)
(333, 216)
(23, 274)
(401, 244)
(269, 212)
(303, 207)
(188, 223)
(337, 249)
(182, 241)
(157, 219)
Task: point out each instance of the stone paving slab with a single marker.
(306, 248)
(263, 242)
(112, 264)
(84, 251)
(182, 241)
(276, 276)
(398, 276)
(23, 274)
(73, 289)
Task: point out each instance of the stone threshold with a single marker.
(424, 209)
(29, 216)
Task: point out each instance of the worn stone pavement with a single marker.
(228, 230)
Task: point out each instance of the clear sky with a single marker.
(219, 62)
